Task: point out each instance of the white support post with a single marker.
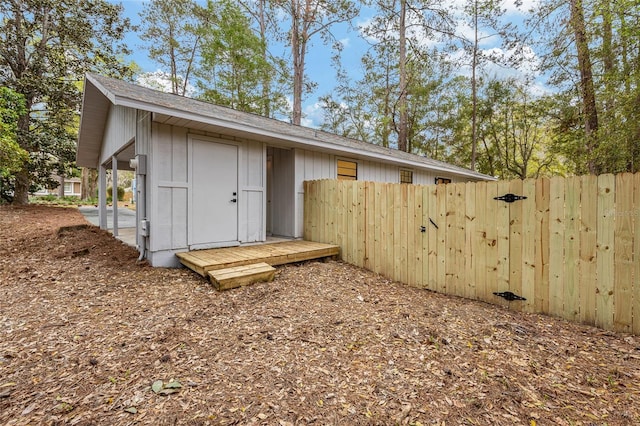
(114, 193)
(102, 197)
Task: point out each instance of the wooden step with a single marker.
(227, 278)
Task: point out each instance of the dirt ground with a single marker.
(85, 332)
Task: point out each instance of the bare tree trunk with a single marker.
(586, 82)
(21, 188)
(89, 183)
(608, 54)
(298, 44)
(474, 89)
(266, 81)
(61, 181)
(402, 101)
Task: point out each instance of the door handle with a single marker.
(233, 200)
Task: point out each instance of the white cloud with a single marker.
(312, 115)
(161, 80)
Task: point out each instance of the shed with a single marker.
(210, 176)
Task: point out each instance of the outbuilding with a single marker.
(210, 176)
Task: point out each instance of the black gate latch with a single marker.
(510, 198)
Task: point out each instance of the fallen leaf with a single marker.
(157, 386)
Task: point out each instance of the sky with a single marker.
(319, 67)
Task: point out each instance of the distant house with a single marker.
(210, 176)
(72, 188)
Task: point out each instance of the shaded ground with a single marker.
(85, 331)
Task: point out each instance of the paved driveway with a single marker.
(126, 217)
(126, 222)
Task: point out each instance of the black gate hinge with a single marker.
(510, 198)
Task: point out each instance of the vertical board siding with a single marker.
(571, 248)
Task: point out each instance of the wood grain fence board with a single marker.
(605, 246)
(322, 219)
(390, 269)
(404, 237)
(542, 245)
(331, 197)
(387, 225)
(308, 212)
(352, 230)
(528, 244)
(397, 233)
(377, 251)
(347, 214)
(370, 236)
(556, 246)
(460, 235)
(353, 218)
(636, 254)
(382, 208)
(491, 247)
(432, 235)
(453, 239)
(469, 255)
(588, 251)
(422, 193)
(340, 215)
(571, 276)
(502, 227)
(441, 247)
(360, 189)
(449, 238)
(414, 253)
(515, 242)
(345, 242)
(572, 248)
(480, 241)
(317, 215)
(623, 255)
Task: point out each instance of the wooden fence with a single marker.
(571, 248)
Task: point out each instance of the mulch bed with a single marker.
(85, 331)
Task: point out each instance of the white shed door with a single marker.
(214, 192)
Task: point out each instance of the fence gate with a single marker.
(569, 246)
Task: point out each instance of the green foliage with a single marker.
(604, 140)
(56, 200)
(12, 157)
(233, 67)
(120, 191)
(46, 48)
(173, 30)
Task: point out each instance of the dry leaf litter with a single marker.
(88, 336)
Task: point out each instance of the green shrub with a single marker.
(55, 200)
(110, 193)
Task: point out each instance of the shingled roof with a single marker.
(101, 91)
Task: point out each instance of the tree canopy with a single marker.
(46, 48)
(557, 94)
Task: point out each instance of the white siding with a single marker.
(310, 165)
(169, 188)
(252, 186)
(169, 185)
(120, 130)
(282, 193)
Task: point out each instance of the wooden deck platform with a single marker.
(203, 261)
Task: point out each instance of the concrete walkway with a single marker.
(126, 222)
